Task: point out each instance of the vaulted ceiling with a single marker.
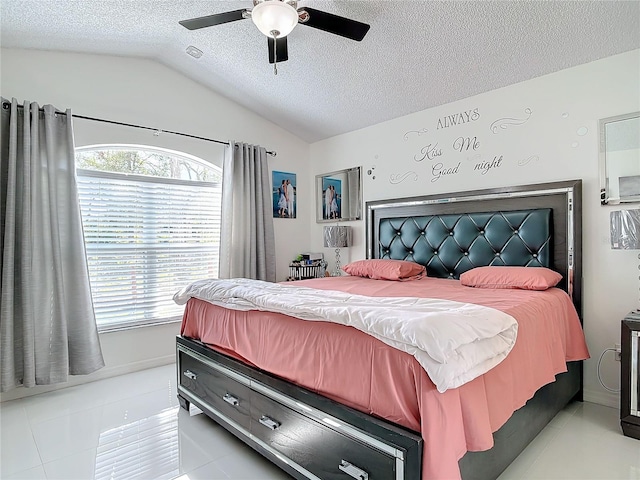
(417, 54)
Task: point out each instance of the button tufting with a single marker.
(535, 255)
(481, 232)
(451, 274)
(411, 252)
(515, 232)
(435, 252)
(450, 233)
(422, 232)
(397, 233)
(466, 253)
(497, 254)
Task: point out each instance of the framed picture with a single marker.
(284, 195)
(620, 159)
(338, 196)
(331, 198)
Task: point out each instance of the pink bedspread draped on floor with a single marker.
(357, 370)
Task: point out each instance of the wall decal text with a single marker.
(458, 118)
(429, 152)
(438, 171)
(463, 144)
(485, 166)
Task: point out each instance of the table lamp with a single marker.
(337, 237)
(625, 232)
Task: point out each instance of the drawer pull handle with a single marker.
(190, 374)
(269, 422)
(231, 400)
(353, 471)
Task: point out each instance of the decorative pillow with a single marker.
(526, 278)
(384, 269)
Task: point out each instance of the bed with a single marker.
(391, 421)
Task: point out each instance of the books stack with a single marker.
(312, 257)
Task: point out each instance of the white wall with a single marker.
(544, 130)
(144, 92)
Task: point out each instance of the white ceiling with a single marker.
(418, 54)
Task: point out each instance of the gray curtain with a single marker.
(247, 245)
(47, 325)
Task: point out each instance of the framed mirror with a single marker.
(339, 196)
(620, 159)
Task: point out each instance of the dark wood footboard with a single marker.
(307, 435)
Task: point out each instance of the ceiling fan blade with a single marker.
(335, 24)
(281, 49)
(211, 20)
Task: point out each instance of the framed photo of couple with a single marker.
(338, 196)
(284, 194)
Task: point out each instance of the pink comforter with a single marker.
(355, 369)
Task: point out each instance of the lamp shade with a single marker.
(625, 229)
(337, 236)
(274, 18)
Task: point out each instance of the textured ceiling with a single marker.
(418, 54)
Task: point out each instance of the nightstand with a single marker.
(630, 376)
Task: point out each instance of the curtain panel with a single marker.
(247, 244)
(47, 324)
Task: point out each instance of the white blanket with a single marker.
(454, 342)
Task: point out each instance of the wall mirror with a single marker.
(620, 159)
(338, 196)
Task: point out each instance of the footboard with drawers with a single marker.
(307, 435)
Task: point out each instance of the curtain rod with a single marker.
(6, 105)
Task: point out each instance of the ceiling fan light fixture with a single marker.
(274, 18)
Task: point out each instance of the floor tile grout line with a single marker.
(129, 397)
(33, 437)
(20, 403)
(65, 457)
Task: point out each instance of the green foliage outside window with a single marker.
(146, 162)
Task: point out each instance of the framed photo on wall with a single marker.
(338, 195)
(284, 194)
(331, 198)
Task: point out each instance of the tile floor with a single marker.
(132, 427)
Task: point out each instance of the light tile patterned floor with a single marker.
(132, 427)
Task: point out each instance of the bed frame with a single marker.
(393, 230)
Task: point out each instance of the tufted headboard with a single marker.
(531, 225)
(450, 244)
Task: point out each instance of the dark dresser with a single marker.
(630, 376)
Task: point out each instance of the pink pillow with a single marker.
(526, 278)
(384, 269)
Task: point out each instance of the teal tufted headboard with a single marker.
(450, 244)
(528, 225)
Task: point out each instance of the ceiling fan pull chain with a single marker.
(275, 34)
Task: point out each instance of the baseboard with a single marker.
(608, 399)
(105, 372)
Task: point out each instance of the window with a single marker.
(151, 222)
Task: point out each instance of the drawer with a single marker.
(221, 392)
(314, 446)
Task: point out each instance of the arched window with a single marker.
(151, 222)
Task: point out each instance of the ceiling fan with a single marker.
(277, 18)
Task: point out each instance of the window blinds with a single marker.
(146, 238)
